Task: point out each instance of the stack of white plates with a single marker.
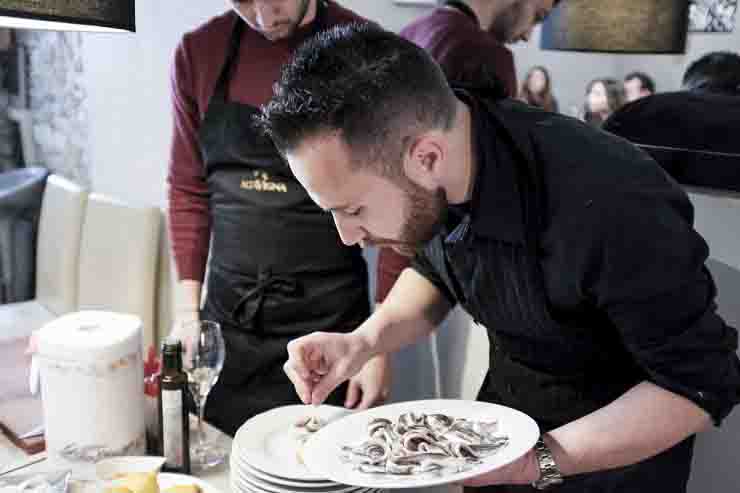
(266, 455)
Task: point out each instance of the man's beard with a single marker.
(502, 25)
(424, 216)
(290, 27)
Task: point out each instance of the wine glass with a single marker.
(203, 361)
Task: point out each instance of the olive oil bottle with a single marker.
(174, 424)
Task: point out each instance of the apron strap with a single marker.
(221, 89)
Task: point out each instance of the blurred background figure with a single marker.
(716, 72)
(691, 133)
(603, 97)
(536, 89)
(638, 85)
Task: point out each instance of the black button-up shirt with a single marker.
(580, 258)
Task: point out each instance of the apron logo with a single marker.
(261, 182)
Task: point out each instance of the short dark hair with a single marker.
(645, 80)
(368, 85)
(718, 72)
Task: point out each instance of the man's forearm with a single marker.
(412, 310)
(643, 422)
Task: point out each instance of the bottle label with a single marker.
(172, 428)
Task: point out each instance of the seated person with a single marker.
(537, 89)
(638, 85)
(603, 97)
(692, 133)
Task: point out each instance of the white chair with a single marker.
(717, 219)
(118, 260)
(463, 349)
(57, 254)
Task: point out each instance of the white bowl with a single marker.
(108, 469)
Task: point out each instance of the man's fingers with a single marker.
(368, 400)
(353, 394)
(302, 386)
(326, 386)
(300, 359)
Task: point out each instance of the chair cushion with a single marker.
(21, 319)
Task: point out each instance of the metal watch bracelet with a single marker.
(549, 473)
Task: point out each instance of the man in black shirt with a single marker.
(572, 247)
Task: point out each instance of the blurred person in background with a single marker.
(603, 97)
(717, 72)
(691, 133)
(537, 89)
(638, 85)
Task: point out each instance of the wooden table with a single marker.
(11, 457)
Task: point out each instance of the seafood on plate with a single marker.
(424, 443)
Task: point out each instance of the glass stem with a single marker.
(201, 430)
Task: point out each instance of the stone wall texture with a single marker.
(57, 102)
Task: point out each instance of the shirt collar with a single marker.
(496, 203)
(463, 8)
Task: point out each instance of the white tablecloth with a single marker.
(11, 457)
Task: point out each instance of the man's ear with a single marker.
(422, 160)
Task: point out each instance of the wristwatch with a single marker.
(549, 473)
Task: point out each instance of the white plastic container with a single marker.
(92, 386)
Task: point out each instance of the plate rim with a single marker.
(286, 481)
(347, 488)
(198, 481)
(252, 425)
(311, 456)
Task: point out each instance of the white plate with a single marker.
(256, 483)
(322, 452)
(268, 441)
(107, 468)
(307, 485)
(167, 480)
(238, 486)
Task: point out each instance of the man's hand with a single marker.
(185, 329)
(371, 386)
(524, 470)
(319, 362)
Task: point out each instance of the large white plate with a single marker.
(167, 480)
(238, 486)
(268, 441)
(307, 485)
(322, 452)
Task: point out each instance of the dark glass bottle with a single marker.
(174, 425)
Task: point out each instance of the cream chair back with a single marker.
(57, 253)
(118, 260)
(717, 219)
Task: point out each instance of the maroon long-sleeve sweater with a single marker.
(466, 54)
(197, 65)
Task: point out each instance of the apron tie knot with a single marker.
(250, 303)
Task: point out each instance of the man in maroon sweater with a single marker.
(466, 38)
(276, 266)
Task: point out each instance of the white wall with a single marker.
(570, 72)
(128, 86)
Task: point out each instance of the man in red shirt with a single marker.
(467, 39)
(276, 266)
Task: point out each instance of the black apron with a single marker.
(277, 268)
(534, 367)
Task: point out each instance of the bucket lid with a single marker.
(90, 336)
